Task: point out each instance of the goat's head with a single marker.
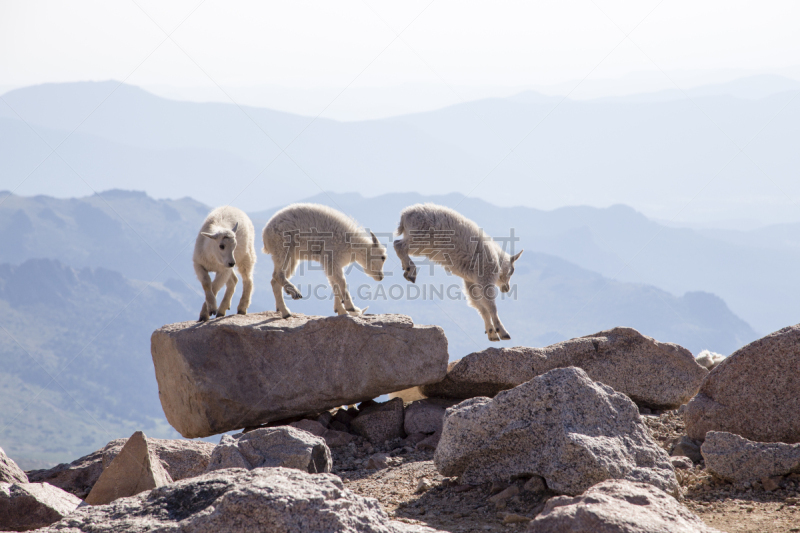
(506, 271)
(224, 245)
(376, 257)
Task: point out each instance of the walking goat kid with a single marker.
(226, 239)
(312, 232)
(453, 241)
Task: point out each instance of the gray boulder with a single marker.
(380, 422)
(27, 506)
(653, 374)
(426, 416)
(181, 459)
(135, 469)
(736, 459)
(247, 370)
(618, 506)
(755, 392)
(9, 471)
(562, 426)
(284, 446)
(239, 501)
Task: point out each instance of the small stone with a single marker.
(791, 500)
(513, 518)
(380, 422)
(504, 494)
(535, 484)
(687, 447)
(335, 439)
(426, 416)
(498, 486)
(377, 461)
(338, 426)
(325, 419)
(429, 444)
(770, 484)
(424, 485)
(681, 462)
(284, 446)
(312, 426)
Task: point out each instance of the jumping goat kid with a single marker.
(453, 241)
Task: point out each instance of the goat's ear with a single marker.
(235, 227)
(516, 256)
(375, 240)
(209, 235)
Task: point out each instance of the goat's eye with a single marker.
(221, 246)
(383, 257)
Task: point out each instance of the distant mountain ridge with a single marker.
(544, 152)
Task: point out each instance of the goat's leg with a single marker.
(210, 305)
(339, 285)
(230, 286)
(476, 299)
(278, 282)
(489, 304)
(247, 289)
(409, 268)
(338, 306)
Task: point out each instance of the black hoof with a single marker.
(241, 312)
(506, 337)
(287, 315)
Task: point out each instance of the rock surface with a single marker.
(9, 471)
(27, 506)
(135, 469)
(562, 426)
(283, 446)
(620, 507)
(181, 458)
(426, 416)
(686, 447)
(234, 501)
(246, 370)
(736, 459)
(755, 392)
(380, 422)
(653, 374)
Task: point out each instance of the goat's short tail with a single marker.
(400, 228)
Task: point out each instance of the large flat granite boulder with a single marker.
(653, 374)
(245, 370)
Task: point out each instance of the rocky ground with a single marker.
(411, 490)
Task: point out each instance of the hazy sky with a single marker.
(300, 55)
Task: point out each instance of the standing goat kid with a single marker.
(226, 239)
(453, 241)
(312, 232)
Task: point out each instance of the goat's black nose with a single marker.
(231, 264)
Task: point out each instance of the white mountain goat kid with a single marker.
(453, 241)
(312, 232)
(226, 239)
